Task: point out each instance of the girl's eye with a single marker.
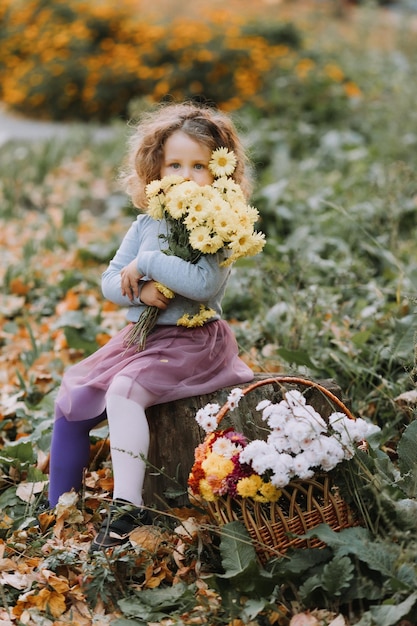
(199, 166)
(175, 166)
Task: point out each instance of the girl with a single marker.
(119, 383)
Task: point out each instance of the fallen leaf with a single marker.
(27, 491)
(147, 537)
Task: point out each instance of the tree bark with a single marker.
(174, 433)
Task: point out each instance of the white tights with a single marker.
(126, 402)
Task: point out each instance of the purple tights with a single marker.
(70, 452)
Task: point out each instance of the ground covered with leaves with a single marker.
(332, 296)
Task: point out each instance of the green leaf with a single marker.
(297, 357)
(377, 554)
(79, 341)
(20, 453)
(297, 562)
(309, 586)
(337, 575)
(252, 609)
(391, 615)
(407, 449)
(236, 549)
(404, 337)
(240, 563)
(155, 604)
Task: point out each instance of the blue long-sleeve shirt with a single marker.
(193, 284)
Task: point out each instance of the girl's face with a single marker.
(187, 158)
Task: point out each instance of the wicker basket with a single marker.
(303, 505)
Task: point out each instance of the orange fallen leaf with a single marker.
(51, 601)
(18, 287)
(71, 302)
(147, 537)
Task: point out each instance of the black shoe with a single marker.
(121, 519)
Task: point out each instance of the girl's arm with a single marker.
(199, 281)
(111, 280)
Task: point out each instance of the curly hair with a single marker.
(204, 124)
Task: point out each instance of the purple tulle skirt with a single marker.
(177, 363)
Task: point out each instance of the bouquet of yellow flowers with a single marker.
(202, 219)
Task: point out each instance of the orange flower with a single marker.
(352, 90)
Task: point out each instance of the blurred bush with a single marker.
(81, 60)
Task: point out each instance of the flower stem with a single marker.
(139, 332)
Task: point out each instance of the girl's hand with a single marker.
(151, 296)
(130, 280)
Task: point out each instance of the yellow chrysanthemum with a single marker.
(217, 465)
(222, 162)
(223, 224)
(249, 487)
(155, 209)
(166, 291)
(249, 245)
(153, 188)
(193, 220)
(270, 492)
(200, 238)
(206, 491)
(196, 320)
(253, 213)
(226, 185)
(170, 181)
(175, 203)
(199, 208)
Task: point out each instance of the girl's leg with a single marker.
(126, 402)
(70, 452)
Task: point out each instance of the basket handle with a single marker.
(289, 379)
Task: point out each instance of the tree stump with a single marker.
(174, 433)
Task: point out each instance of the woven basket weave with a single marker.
(303, 505)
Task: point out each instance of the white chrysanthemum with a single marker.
(301, 467)
(222, 162)
(294, 398)
(226, 448)
(280, 479)
(208, 423)
(298, 429)
(212, 408)
(234, 396)
(263, 404)
(276, 415)
(264, 462)
(333, 453)
(276, 422)
(205, 417)
(254, 449)
(278, 440)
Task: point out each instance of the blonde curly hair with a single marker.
(204, 124)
